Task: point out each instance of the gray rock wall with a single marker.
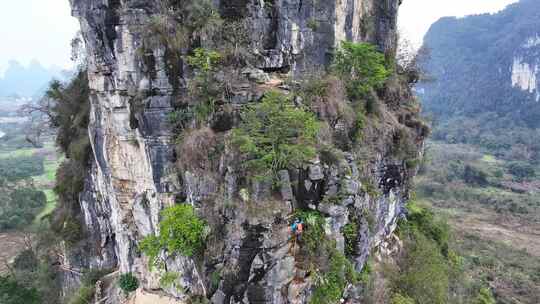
(132, 177)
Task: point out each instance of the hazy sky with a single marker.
(36, 29)
(42, 29)
(416, 16)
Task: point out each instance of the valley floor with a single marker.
(12, 244)
(18, 153)
(496, 228)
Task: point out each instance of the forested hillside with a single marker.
(486, 63)
(485, 80)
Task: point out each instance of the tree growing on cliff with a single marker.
(275, 134)
(204, 88)
(361, 66)
(66, 108)
(181, 232)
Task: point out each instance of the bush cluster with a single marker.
(362, 67)
(332, 271)
(69, 115)
(423, 220)
(19, 207)
(521, 170)
(204, 88)
(181, 232)
(330, 285)
(350, 232)
(85, 293)
(31, 278)
(276, 135)
(128, 282)
(315, 229)
(11, 292)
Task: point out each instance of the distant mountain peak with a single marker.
(26, 80)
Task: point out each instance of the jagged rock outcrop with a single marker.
(133, 175)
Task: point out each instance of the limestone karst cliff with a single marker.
(139, 165)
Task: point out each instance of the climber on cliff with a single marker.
(297, 227)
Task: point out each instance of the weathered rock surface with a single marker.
(132, 177)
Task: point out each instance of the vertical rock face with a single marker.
(524, 76)
(133, 177)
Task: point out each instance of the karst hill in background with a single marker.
(486, 63)
(26, 81)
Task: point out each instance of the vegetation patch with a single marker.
(128, 282)
(275, 135)
(424, 277)
(19, 207)
(330, 285)
(332, 271)
(398, 298)
(84, 295)
(181, 232)
(69, 115)
(204, 89)
(362, 67)
(424, 221)
(315, 229)
(350, 232)
(12, 292)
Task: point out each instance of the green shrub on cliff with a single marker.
(275, 134)
(361, 66)
(350, 232)
(204, 88)
(69, 113)
(339, 272)
(401, 299)
(83, 295)
(424, 221)
(181, 232)
(332, 271)
(485, 296)
(128, 282)
(315, 229)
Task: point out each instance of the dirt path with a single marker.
(11, 243)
